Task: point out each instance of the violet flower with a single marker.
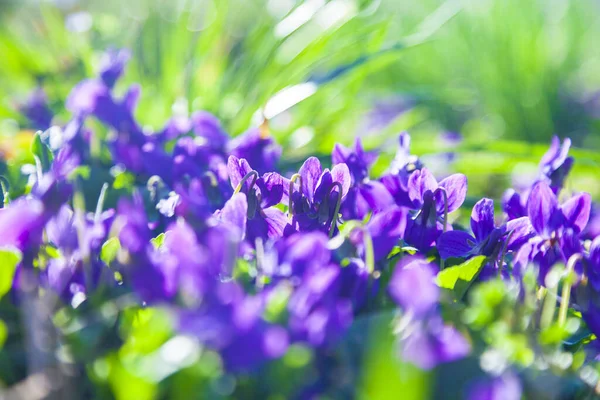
(257, 147)
(586, 293)
(424, 338)
(318, 314)
(504, 387)
(262, 193)
(37, 111)
(401, 168)
(487, 239)
(231, 322)
(554, 167)
(431, 342)
(427, 196)
(142, 266)
(315, 205)
(364, 195)
(557, 228)
(413, 287)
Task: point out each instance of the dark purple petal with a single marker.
(455, 244)
(208, 126)
(112, 65)
(324, 187)
(258, 148)
(357, 160)
(482, 218)
(371, 197)
(271, 189)
(397, 185)
(512, 204)
(386, 229)
(456, 190)
(310, 173)
(340, 154)
(37, 111)
(542, 209)
(576, 211)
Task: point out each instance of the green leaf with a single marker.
(109, 251)
(124, 180)
(158, 241)
(41, 152)
(459, 277)
(3, 333)
(9, 258)
(82, 171)
(554, 334)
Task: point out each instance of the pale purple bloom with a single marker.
(413, 287)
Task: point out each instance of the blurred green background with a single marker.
(504, 74)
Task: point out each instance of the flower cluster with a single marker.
(250, 260)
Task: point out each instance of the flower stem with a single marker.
(294, 178)
(5, 186)
(369, 252)
(212, 177)
(566, 289)
(445, 226)
(252, 174)
(338, 204)
(100, 204)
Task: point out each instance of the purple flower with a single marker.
(431, 342)
(259, 149)
(364, 196)
(208, 127)
(294, 255)
(413, 287)
(401, 168)
(313, 206)
(505, 387)
(112, 65)
(21, 224)
(144, 268)
(37, 111)
(264, 220)
(556, 226)
(318, 314)
(487, 239)
(426, 195)
(385, 230)
(556, 164)
(554, 167)
(356, 159)
(587, 291)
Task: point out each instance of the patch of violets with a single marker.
(336, 243)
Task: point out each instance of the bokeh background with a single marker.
(481, 85)
(488, 81)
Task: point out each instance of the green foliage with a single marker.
(9, 259)
(41, 152)
(459, 277)
(110, 250)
